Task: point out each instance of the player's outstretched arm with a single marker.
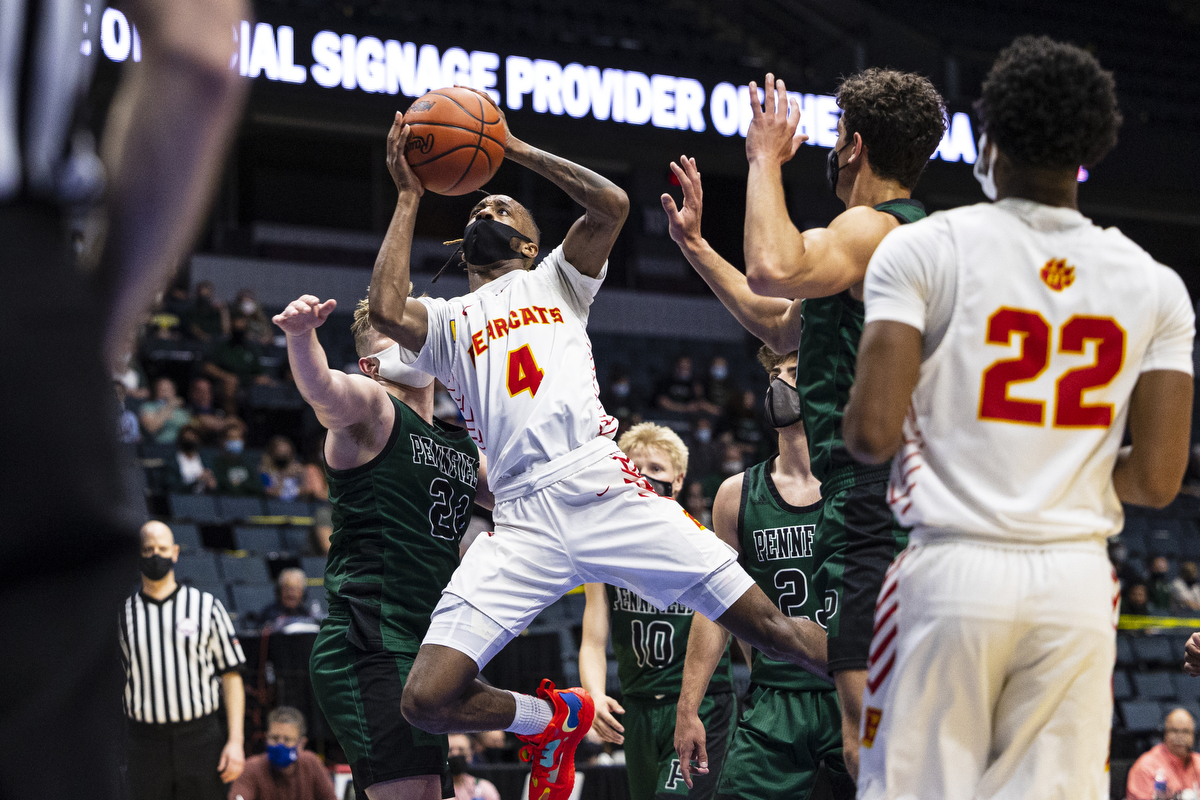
(1150, 471)
(780, 260)
(889, 364)
(166, 137)
(340, 400)
(773, 319)
(393, 312)
(593, 665)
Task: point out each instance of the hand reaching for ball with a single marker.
(304, 314)
(406, 180)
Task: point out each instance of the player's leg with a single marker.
(444, 694)
(770, 756)
(643, 756)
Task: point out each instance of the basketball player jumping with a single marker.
(1008, 347)
(570, 507)
(890, 125)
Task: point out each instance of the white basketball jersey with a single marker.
(516, 357)
(1036, 326)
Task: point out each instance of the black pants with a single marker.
(176, 761)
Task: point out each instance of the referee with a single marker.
(176, 641)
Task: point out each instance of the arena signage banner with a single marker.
(345, 62)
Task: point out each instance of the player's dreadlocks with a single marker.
(900, 117)
(1049, 104)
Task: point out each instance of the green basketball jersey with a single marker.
(777, 552)
(397, 523)
(827, 359)
(650, 646)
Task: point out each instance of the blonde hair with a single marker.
(770, 359)
(361, 326)
(647, 434)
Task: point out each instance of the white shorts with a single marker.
(601, 524)
(990, 675)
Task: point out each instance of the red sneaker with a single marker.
(552, 753)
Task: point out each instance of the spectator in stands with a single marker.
(1159, 584)
(680, 392)
(128, 430)
(163, 417)
(258, 327)
(491, 747)
(1185, 590)
(697, 504)
(444, 407)
(205, 415)
(207, 318)
(720, 389)
(190, 471)
(289, 602)
(467, 786)
(744, 418)
(1136, 600)
(705, 449)
(236, 475)
(286, 771)
(1172, 759)
(322, 529)
(1118, 554)
(314, 486)
(169, 318)
(618, 396)
(281, 473)
(132, 378)
(235, 364)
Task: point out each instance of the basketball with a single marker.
(456, 140)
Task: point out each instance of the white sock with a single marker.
(533, 715)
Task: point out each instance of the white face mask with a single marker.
(391, 368)
(986, 179)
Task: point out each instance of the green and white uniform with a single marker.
(650, 646)
(794, 723)
(397, 523)
(859, 536)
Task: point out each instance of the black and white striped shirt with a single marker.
(175, 651)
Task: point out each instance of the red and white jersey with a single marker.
(1036, 325)
(516, 357)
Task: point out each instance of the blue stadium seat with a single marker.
(1162, 539)
(1154, 650)
(314, 566)
(1192, 707)
(1121, 688)
(187, 536)
(1141, 716)
(1189, 540)
(256, 538)
(196, 569)
(1134, 537)
(1186, 687)
(288, 508)
(200, 508)
(295, 539)
(238, 508)
(216, 589)
(1124, 651)
(1154, 686)
(316, 594)
(251, 600)
(251, 570)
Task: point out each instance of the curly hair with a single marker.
(900, 117)
(770, 359)
(1049, 104)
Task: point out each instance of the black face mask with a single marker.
(484, 243)
(782, 404)
(457, 764)
(661, 488)
(189, 446)
(832, 167)
(156, 567)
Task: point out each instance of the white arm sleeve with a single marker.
(1175, 329)
(436, 356)
(911, 279)
(577, 289)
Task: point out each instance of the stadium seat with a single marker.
(279, 397)
(316, 594)
(1124, 651)
(238, 508)
(1189, 541)
(314, 566)
(1121, 687)
(1141, 716)
(1154, 650)
(1134, 537)
(152, 451)
(217, 589)
(251, 570)
(1186, 687)
(200, 508)
(288, 508)
(196, 569)
(1162, 539)
(187, 536)
(256, 538)
(251, 600)
(295, 539)
(1154, 686)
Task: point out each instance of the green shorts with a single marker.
(650, 759)
(780, 742)
(359, 694)
(857, 537)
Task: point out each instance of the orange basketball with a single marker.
(456, 142)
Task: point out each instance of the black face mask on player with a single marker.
(832, 167)
(661, 488)
(782, 404)
(486, 242)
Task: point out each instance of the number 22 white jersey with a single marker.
(1036, 326)
(516, 357)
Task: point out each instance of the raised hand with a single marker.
(304, 314)
(773, 125)
(1191, 656)
(689, 746)
(406, 180)
(684, 223)
(605, 724)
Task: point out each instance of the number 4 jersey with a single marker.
(1036, 326)
(515, 356)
